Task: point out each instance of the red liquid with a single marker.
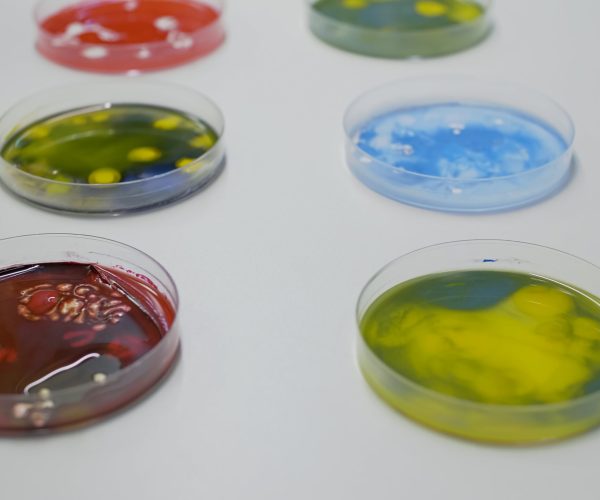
(69, 324)
(124, 35)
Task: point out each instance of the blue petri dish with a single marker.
(459, 144)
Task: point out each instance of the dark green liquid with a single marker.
(124, 142)
(491, 337)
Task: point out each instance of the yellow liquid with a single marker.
(507, 340)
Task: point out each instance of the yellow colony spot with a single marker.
(541, 301)
(55, 189)
(182, 162)
(100, 116)
(105, 175)
(464, 12)
(430, 9)
(39, 132)
(355, 4)
(204, 141)
(143, 154)
(79, 120)
(168, 122)
(189, 165)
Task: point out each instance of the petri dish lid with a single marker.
(127, 36)
(459, 144)
(89, 325)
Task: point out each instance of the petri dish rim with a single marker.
(486, 4)
(122, 197)
(569, 139)
(457, 402)
(218, 5)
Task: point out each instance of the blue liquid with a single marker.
(460, 141)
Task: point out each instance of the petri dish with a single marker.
(492, 341)
(127, 36)
(400, 28)
(111, 147)
(88, 326)
(459, 144)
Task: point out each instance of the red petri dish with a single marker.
(84, 331)
(120, 36)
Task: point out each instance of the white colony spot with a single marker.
(385, 127)
(131, 5)
(75, 29)
(95, 52)
(144, 53)
(405, 149)
(166, 23)
(381, 142)
(105, 34)
(179, 40)
(457, 127)
(408, 150)
(498, 121)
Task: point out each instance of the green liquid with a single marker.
(399, 28)
(490, 337)
(401, 15)
(125, 142)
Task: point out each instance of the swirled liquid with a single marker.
(490, 337)
(67, 324)
(109, 145)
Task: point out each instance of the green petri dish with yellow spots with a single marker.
(111, 148)
(492, 341)
(400, 28)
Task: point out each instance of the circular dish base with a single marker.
(93, 325)
(172, 157)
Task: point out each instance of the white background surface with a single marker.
(267, 402)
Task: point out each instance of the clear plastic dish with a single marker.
(127, 36)
(459, 144)
(400, 28)
(491, 359)
(86, 362)
(89, 105)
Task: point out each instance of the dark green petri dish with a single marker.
(110, 148)
(400, 28)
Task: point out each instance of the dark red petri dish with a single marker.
(120, 36)
(80, 339)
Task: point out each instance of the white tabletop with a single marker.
(267, 402)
